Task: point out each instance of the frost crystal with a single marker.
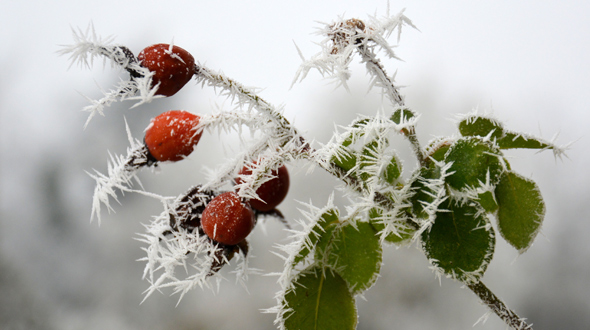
(120, 173)
(87, 46)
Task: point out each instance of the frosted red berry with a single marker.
(272, 192)
(172, 68)
(171, 136)
(227, 219)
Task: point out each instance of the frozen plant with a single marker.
(447, 205)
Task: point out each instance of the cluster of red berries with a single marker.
(225, 218)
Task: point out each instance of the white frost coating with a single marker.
(120, 173)
(343, 38)
(182, 259)
(87, 46)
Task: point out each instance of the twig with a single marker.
(498, 307)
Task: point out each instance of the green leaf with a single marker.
(421, 186)
(473, 158)
(480, 126)
(488, 201)
(355, 253)
(461, 241)
(369, 157)
(521, 210)
(345, 158)
(393, 170)
(405, 233)
(513, 140)
(320, 301)
(402, 115)
(330, 217)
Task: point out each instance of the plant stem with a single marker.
(375, 68)
(498, 307)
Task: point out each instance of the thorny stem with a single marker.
(248, 96)
(374, 65)
(498, 307)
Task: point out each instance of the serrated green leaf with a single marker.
(480, 126)
(513, 140)
(521, 210)
(405, 233)
(328, 218)
(460, 242)
(355, 253)
(320, 301)
(472, 159)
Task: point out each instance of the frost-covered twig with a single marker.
(498, 307)
(120, 173)
(87, 46)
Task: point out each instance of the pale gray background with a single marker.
(527, 61)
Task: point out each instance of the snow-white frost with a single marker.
(121, 170)
(343, 38)
(87, 46)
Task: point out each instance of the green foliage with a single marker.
(522, 141)
(520, 210)
(460, 242)
(324, 226)
(400, 116)
(404, 233)
(355, 254)
(320, 301)
(345, 158)
(487, 200)
(393, 170)
(422, 186)
(481, 126)
(474, 162)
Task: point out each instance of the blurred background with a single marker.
(527, 62)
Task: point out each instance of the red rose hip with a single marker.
(272, 192)
(171, 136)
(172, 66)
(227, 219)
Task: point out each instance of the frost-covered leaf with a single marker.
(402, 115)
(437, 148)
(370, 158)
(475, 125)
(393, 170)
(355, 253)
(521, 210)
(324, 226)
(487, 200)
(403, 232)
(461, 241)
(474, 162)
(320, 300)
(345, 158)
(512, 140)
(427, 183)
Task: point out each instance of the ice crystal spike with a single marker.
(343, 38)
(121, 170)
(88, 46)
